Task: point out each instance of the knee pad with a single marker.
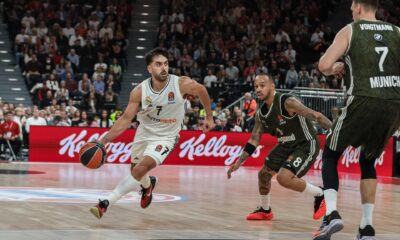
(289, 166)
(367, 167)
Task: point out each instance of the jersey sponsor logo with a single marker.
(158, 120)
(72, 195)
(376, 27)
(384, 81)
(378, 37)
(171, 97)
(285, 139)
(158, 148)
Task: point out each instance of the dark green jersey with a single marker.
(290, 131)
(373, 60)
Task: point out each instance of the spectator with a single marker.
(304, 77)
(73, 58)
(249, 105)
(232, 72)
(209, 79)
(292, 77)
(10, 132)
(104, 121)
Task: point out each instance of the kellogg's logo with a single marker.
(214, 147)
(350, 157)
(73, 143)
(194, 147)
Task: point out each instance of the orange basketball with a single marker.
(92, 155)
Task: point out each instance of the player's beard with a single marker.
(162, 77)
(265, 97)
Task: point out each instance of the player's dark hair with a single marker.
(368, 4)
(269, 76)
(155, 52)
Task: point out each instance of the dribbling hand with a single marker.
(233, 168)
(338, 69)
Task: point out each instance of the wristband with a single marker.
(249, 148)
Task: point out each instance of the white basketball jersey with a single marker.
(162, 112)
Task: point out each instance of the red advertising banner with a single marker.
(62, 144)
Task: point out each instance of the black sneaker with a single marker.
(367, 233)
(331, 224)
(319, 207)
(147, 193)
(99, 210)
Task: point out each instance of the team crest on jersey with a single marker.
(171, 97)
(158, 148)
(378, 37)
(281, 120)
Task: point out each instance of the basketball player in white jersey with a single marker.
(159, 105)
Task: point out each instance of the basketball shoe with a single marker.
(367, 233)
(331, 224)
(147, 193)
(319, 207)
(261, 214)
(99, 210)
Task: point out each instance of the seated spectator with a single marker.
(115, 68)
(73, 58)
(109, 101)
(52, 83)
(10, 133)
(209, 79)
(76, 118)
(70, 83)
(33, 71)
(85, 84)
(292, 77)
(83, 121)
(304, 77)
(249, 105)
(99, 85)
(104, 121)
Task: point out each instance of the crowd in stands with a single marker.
(225, 44)
(70, 52)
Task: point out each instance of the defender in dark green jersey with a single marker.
(285, 117)
(372, 114)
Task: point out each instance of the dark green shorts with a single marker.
(366, 122)
(302, 157)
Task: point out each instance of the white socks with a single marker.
(264, 201)
(366, 219)
(145, 181)
(314, 190)
(126, 185)
(330, 200)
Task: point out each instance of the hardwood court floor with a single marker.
(198, 202)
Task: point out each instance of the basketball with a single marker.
(92, 155)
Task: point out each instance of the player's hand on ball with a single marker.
(208, 124)
(338, 70)
(233, 168)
